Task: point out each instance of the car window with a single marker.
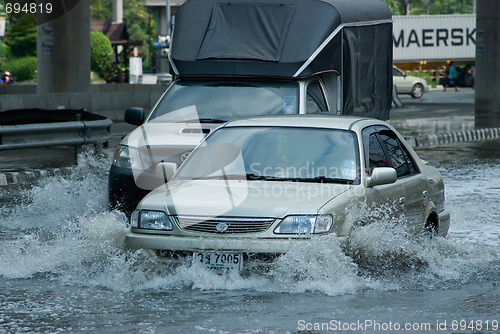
(376, 154)
(397, 73)
(315, 99)
(399, 158)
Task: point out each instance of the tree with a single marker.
(141, 27)
(419, 7)
(21, 35)
(139, 22)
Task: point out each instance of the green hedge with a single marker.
(101, 52)
(23, 69)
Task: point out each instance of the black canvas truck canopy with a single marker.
(291, 39)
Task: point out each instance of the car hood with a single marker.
(158, 134)
(241, 198)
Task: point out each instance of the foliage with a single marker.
(115, 73)
(4, 51)
(419, 7)
(137, 33)
(23, 69)
(139, 22)
(101, 52)
(21, 36)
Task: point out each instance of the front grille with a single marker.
(226, 225)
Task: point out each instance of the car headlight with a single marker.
(151, 220)
(121, 157)
(305, 224)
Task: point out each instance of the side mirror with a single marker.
(134, 116)
(381, 176)
(165, 170)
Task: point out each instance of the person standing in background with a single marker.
(452, 78)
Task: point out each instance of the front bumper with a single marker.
(229, 244)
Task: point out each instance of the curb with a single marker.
(26, 177)
(432, 140)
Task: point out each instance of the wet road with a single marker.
(435, 112)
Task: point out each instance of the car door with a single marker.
(384, 201)
(403, 85)
(415, 184)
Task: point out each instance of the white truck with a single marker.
(246, 58)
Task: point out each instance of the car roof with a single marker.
(308, 121)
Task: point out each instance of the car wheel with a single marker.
(417, 91)
(431, 227)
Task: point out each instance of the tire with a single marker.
(417, 91)
(431, 228)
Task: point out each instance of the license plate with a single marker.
(219, 260)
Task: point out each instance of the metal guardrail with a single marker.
(92, 130)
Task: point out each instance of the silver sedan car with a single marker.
(254, 187)
(407, 84)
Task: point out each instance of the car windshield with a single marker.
(221, 101)
(275, 154)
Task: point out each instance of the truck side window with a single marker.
(315, 99)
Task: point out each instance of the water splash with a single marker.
(386, 251)
(61, 228)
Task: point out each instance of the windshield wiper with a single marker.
(324, 179)
(318, 179)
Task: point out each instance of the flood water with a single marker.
(63, 268)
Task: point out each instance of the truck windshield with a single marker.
(221, 101)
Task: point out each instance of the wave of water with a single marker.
(61, 229)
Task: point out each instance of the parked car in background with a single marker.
(255, 186)
(407, 84)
